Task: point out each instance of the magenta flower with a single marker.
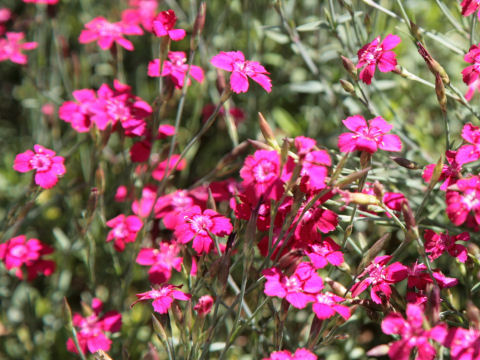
(412, 335)
(176, 68)
(78, 112)
(300, 354)
(464, 344)
(470, 152)
(450, 173)
(161, 260)
(377, 53)
(242, 69)
(18, 252)
(107, 33)
(419, 277)
(469, 7)
(204, 305)
(369, 137)
(49, 2)
(163, 26)
(464, 205)
(143, 207)
(124, 230)
(381, 277)
(171, 206)
(159, 172)
(162, 297)
(327, 304)
(470, 73)
(12, 45)
(323, 252)
(48, 167)
(143, 12)
(437, 244)
(199, 227)
(315, 219)
(298, 289)
(91, 329)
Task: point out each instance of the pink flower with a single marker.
(161, 260)
(450, 173)
(412, 334)
(381, 277)
(298, 289)
(91, 329)
(464, 344)
(171, 206)
(11, 47)
(159, 172)
(49, 2)
(471, 152)
(464, 204)
(165, 130)
(5, 15)
(242, 69)
(199, 226)
(204, 305)
(314, 220)
(419, 277)
(163, 297)
(143, 11)
(437, 244)
(124, 229)
(163, 26)
(19, 251)
(78, 112)
(377, 53)
(327, 304)
(106, 33)
(176, 68)
(323, 252)
(369, 137)
(300, 354)
(469, 7)
(470, 73)
(48, 167)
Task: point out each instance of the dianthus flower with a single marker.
(450, 173)
(462, 203)
(464, 344)
(143, 207)
(163, 25)
(49, 2)
(161, 260)
(470, 152)
(107, 33)
(437, 244)
(323, 252)
(48, 167)
(327, 304)
(369, 137)
(18, 252)
(418, 277)
(167, 167)
(469, 7)
(199, 226)
(298, 289)
(470, 73)
(170, 208)
(204, 305)
(78, 112)
(315, 219)
(124, 230)
(242, 69)
(300, 354)
(5, 15)
(377, 53)
(91, 329)
(163, 297)
(12, 45)
(143, 12)
(412, 334)
(176, 68)
(381, 277)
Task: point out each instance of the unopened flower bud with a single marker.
(347, 86)
(440, 91)
(267, 131)
(198, 26)
(432, 64)
(378, 190)
(408, 164)
(359, 198)
(349, 66)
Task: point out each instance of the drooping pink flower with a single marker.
(18, 252)
(91, 329)
(163, 26)
(450, 173)
(323, 252)
(199, 226)
(242, 69)
(464, 205)
(176, 67)
(412, 333)
(161, 260)
(469, 7)
(124, 230)
(107, 33)
(48, 167)
(204, 305)
(471, 72)
(471, 151)
(437, 244)
(298, 289)
(300, 354)
(380, 277)
(12, 45)
(327, 304)
(162, 297)
(165, 130)
(369, 137)
(78, 112)
(377, 53)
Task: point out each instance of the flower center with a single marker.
(264, 171)
(201, 223)
(41, 162)
(120, 231)
(471, 199)
(19, 251)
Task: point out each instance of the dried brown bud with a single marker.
(349, 66)
(408, 164)
(440, 91)
(347, 86)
